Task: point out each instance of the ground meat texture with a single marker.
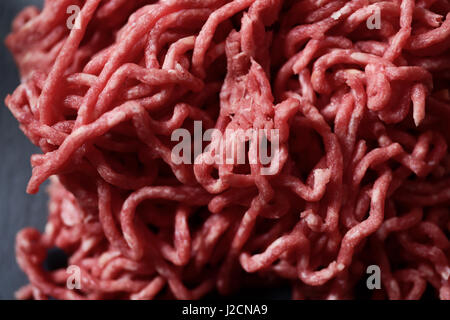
(362, 175)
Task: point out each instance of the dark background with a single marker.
(17, 209)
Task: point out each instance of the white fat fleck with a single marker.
(376, 196)
(328, 273)
(319, 173)
(311, 219)
(87, 244)
(89, 219)
(355, 234)
(358, 56)
(53, 206)
(69, 213)
(340, 267)
(352, 71)
(446, 274)
(336, 15)
(49, 229)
